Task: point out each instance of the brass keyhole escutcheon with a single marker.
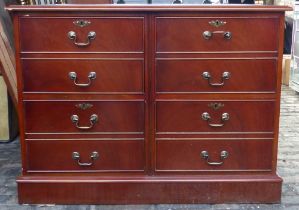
(215, 106)
(217, 23)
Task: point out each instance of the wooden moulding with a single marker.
(205, 189)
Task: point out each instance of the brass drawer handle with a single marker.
(225, 76)
(223, 155)
(206, 116)
(93, 120)
(93, 156)
(209, 34)
(91, 76)
(73, 36)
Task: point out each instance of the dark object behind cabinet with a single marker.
(8, 115)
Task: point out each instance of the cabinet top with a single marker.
(148, 7)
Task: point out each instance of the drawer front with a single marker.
(215, 116)
(91, 154)
(58, 76)
(216, 75)
(185, 34)
(112, 34)
(214, 155)
(84, 116)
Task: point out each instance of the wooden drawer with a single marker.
(220, 75)
(112, 155)
(185, 155)
(119, 76)
(113, 34)
(185, 34)
(225, 116)
(56, 116)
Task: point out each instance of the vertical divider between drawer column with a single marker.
(150, 60)
(146, 87)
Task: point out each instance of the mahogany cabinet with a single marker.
(125, 104)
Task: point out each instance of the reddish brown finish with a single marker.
(150, 190)
(113, 34)
(114, 155)
(55, 117)
(180, 155)
(246, 75)
(244, 116)
(122, 76)
(159, 122)
(185, 34)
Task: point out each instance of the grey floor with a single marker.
(288, 169)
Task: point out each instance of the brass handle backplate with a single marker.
(93, 156)
(209, 34)
(206, 116)
(225, 76)
(205, 156)
(93, 120)
(91, 76)
(73, 36)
